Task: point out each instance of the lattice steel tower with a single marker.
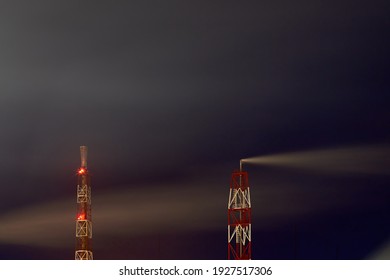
(84, 218)
(239, 217)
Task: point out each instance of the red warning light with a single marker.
(81, 171)
(81, 217)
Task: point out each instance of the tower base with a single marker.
(83, 255)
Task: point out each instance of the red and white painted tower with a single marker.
(239, 217)
(84, 218)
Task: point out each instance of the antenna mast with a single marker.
(84, 218)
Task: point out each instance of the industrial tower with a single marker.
(84, 218)
(239, 217)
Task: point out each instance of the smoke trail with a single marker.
(191, 207)
(132, 211)
(136, 211)
(359, 159)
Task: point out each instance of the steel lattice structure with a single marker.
(84, 217)
(239, 217)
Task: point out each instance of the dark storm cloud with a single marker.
(124, 72)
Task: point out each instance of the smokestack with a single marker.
(83, 154)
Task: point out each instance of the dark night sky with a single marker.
(169, 96)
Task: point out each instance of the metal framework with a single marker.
(84, 217)
(239, 217)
